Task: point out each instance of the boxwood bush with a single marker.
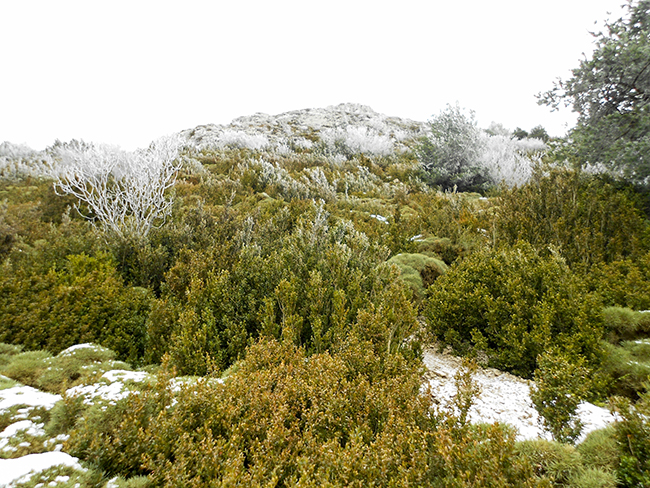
(513, 304)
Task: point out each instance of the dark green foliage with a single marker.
(587, 219)
(84, 301)
(310, 283)
(633, 437)
(513, 304)
(560, 386)
(622, 283)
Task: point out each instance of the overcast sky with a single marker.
(128, 72)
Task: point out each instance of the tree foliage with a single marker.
(610, 91)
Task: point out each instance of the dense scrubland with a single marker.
(294, 278)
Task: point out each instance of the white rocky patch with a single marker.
(504, 398)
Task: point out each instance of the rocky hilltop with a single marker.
(261, 130)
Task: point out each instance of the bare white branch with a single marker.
(124, 191)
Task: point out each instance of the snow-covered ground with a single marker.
(504, 398)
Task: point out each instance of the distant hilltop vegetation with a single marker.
(373, 132)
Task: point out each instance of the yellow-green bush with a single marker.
(352, 418)
(589, 219)
(85, 301)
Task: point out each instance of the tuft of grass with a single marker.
(418, 270)
(71, 367)
(27, 367)
(600, 449)
(550, 460)
(593, 478)
(7, 383)
(628, 367)
(7, 351)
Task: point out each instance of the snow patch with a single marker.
(26, 395)
(21, 469)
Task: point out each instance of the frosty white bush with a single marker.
(318, 184)
(357, 139)
(19, 161)
(124, 191)
(273, 174)
(237, 138)
(509, 160)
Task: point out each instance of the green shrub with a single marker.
(633, 438)
(589, 219)
(600, 449)
(622, 283)
(85, 301)
(560, 386)
(513, 304)
(552, 461)
(284, 418)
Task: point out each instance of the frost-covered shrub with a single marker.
(124, 191)
(356, 139)
(272, 177)
(509, 160)
(19, 161)
(241, 139)
(316, 180)
(450, 154)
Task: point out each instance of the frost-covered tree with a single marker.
(124, 191)
(450, 155)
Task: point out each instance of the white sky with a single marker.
(128, 72)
